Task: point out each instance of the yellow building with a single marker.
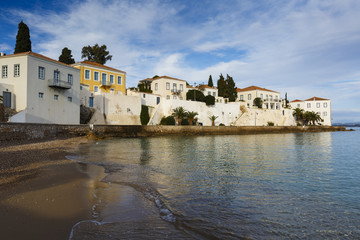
(101, 78)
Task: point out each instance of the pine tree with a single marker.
(66, 56)
(221, 86)
(23, 42)
(210, 82)
(96, 53)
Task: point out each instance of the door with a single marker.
(7, 99)
(157, 100)
(91, 102)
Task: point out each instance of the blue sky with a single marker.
(305, 48)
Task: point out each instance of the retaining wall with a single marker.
(30, 131)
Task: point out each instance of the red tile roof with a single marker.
(252, 88)
(152, 79)
(297, 100)
(206, 86)
(86, 62)
(317, 99)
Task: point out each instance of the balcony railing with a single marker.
(105, 84)
(59, 84)
(174, 91)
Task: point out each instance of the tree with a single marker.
(1, 98)
(312, 117)
(170, 120)
(221, 86)
(96, 53)
(258, 102)
(23, 42)
(230, 90)
(156, 76)
(213, 118)
(209, 100)
(195, 95)
(298, 113)
(66, 56)
(143, 87)
(179, 113)
(144, 115)
(210, 82)
(191, 117)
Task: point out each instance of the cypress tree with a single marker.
(66, 56)
(210, 82)
(230, 91)
(23, 42)
(221, 86)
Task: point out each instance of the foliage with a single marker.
(96, 53)
(185, 121)
(86, 114)
(66, 56)
(270, 123)
(191, 117)
(258, 102)
(144, 115)
(156, 76)
(195, 95)
(221, 124)
(209, 100)
(213, 118)
(170, 120)
(311, 118)
(210, 82)
(227, 88)
(1, 98)
(179, 113)
(286, 101)
(23, 42)
(143, 87)
(221, 85)
(299, 114)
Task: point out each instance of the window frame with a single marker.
(87, 76)
(41, 95)
(96, 88)
(41, 72)
(17, 70)
(249, 96)
(111, 78)
(70, 79)
(98, 76)
(56, 97)
(167, 86)
(69, 99)
(119, 77)
(4, 71)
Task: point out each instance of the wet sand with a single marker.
(42, 195)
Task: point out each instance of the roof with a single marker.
(95, 64)
(152, 79)
(38, 56)
(297, 100)
(206, 86)
(317, 99)
(252, 88)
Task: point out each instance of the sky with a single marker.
(304, 48)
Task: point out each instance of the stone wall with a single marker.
(28, 131)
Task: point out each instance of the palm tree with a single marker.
(179, 113)
(298, 113)
(1, 98)
(315, 117)
(213, 118)
(191, 117)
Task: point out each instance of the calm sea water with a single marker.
(274, 186)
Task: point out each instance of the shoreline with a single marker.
(42, 194)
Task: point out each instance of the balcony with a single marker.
(175, 92)
(54, 83)
(105, 84)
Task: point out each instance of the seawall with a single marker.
(30, 131)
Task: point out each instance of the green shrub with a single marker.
(195, 94)
(209, 100)
(170, 120)
(144, 115)
(221, 124)
(270, 124)
(185, 121)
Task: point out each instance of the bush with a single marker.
(209, 100)
(270, 124)
(258, 102)
(144, 115)
(185, 121)
(221, 124)
(170, 120)
(195, 94)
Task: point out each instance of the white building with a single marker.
(40, 89)
(207, 90)
(271, 99)
(321, 106)
(167, 87)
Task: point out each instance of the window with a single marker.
(56, 97)
(119, 80)
(298, 105)
(69, 99)
(174, 97)
(276, 98)
(325, 105)
(42, 73)
(96, 88)
(214, 94)
(17, 70)
(87, 74)
(249, 96)
(112, 79)
(56, 75)
(41, 95)
(103, 78)
(112, 90)
(181, 88)
(308, 105)
(174, 87)
(325, 114)
(167, 86)
(144, 95)
(181, 98)
(317, 105)
(167, 97)
(4, 71)
(156, 86)
(96, 76)
(271, 97)
(209, 93)
(261, 96)
(70, 79)
(241, 97)
(267, 97)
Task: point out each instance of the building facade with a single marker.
(207, 90)
(40, 89)
(319, 105)
(100, 78)
(271, 99)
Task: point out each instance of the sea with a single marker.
(262, 186)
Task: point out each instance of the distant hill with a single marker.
(347, 124)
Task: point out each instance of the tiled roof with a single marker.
(252, 88)
(86, 62)
(38, 56)
(152, 79)
(297, 100)
(317, 99)
(206, 86)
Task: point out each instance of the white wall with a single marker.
(322, 107)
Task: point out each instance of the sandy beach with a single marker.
(42, 194)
